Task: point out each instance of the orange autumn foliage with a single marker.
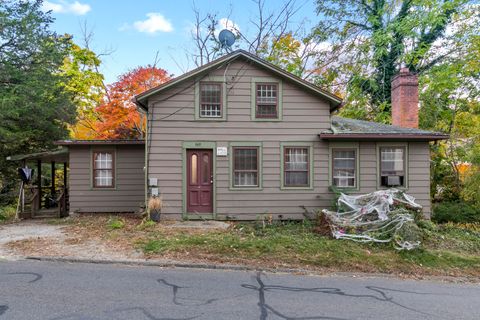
(119, 117)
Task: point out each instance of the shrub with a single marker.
(472, 185)
(115, 223)
(7, 212)
(458, 212)
(427, 225)
(469, 227)
(146, 224)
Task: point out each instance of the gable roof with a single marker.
(335, 101)
(352, 129)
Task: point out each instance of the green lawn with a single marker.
(448, 250)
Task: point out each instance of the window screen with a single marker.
(296, 167)
(245, 167)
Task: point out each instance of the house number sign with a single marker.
(222, 151)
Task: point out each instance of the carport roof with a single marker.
(59, 155)
(98, 142)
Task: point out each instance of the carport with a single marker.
(46, 195)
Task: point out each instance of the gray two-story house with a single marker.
(239, 137)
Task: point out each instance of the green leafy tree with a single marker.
(35, 107)
(451, 103)
(371, 39)
(438, 40)
(291, 54)
(85, 84)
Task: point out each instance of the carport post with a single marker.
(52, 190)
(39, 183)
(65, 176)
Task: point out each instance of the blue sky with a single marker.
(134, 30)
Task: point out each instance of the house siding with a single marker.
(129, 192)
(305, 115)
(418, 170)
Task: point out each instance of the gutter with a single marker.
(139, 104)
(98, 142)
(373, 136)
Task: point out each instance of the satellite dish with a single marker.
(226, 38)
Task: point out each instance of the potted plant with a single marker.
(155, 205)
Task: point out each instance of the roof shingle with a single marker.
(352, 128)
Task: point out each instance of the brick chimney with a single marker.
(405, 99)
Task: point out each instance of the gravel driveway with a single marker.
(39, 238)
(67, 239)
(26, 230)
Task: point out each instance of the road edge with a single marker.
(232, 267)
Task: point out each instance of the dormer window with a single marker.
(266, 100)
(210, 100)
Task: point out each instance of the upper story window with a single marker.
(344, 168)
(392, 166)
(103, 169)
(210, 100)
(266, 100)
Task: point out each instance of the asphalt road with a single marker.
(45, 290)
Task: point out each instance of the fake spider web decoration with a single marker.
(381, 216)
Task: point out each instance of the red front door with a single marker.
(199, 181)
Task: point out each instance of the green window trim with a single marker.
(198, 145)
(113, 150)
(211, 79)
(253, 95)
(404, 145)
(346, 146)
(258, 145)
(309, 146)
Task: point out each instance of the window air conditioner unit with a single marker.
(393, 181)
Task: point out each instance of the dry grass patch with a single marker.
(447, 250)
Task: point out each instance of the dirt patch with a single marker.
(26, 231)
(99, 237)
(62, 239)
(277, 246)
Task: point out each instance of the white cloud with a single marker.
(62, 6)
(225, 23)
(154, 23)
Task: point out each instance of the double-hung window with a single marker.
(392, 166)
(210, 100)
(266, 97)
(103, 169)
(245, 167)
(344, 166)
(296, 167)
